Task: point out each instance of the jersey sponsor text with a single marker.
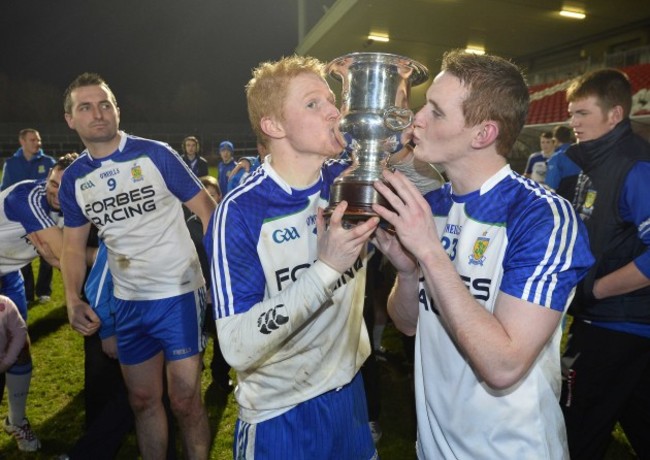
(121, 206)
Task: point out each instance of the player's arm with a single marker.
(49, 243)
(244, 164)
(203, 205)
(626, 279)
(250, 338)
(403, 303)
(73, 268)
(500, 346)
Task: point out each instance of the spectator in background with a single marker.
(191, 156)
(486, 266)
(227, 164)
(561, 172)
(30, 163)
(536, 166)
(607, 360)
(245, 166)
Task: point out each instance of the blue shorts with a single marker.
(333, 425)
(12, 285)
(173, 325)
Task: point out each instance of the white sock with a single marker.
(377, 332)
(17, 391)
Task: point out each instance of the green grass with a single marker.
(55, 405)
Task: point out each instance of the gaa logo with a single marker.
(285, 234)
(87, 185)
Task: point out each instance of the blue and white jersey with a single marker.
(23, 210)
(132, 197)
(290, 325)
(516, 237)
(536, 167)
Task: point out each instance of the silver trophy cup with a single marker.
(375, 111)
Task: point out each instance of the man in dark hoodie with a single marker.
(607, 363)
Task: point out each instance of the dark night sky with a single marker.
(166, 60)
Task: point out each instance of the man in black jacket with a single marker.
(607, 363)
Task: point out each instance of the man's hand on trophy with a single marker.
(411, 214)
(339, 243)
(388, 243)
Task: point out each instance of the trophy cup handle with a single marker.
(397, 118)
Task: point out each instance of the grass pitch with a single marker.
(55, 405)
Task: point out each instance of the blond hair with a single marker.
(268, 89)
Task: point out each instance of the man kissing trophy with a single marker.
(375, 111)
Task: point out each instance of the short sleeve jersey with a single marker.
(515, 237)
(23, 210)
(134, 197)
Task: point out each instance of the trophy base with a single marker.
(360, 196)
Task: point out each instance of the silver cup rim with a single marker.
(420, 72)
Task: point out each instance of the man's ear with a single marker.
(272, 128)
(68, 119)
(487, 134)
(615, 115)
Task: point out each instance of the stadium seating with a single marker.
(548, 100)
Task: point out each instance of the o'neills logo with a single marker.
(121, 206)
